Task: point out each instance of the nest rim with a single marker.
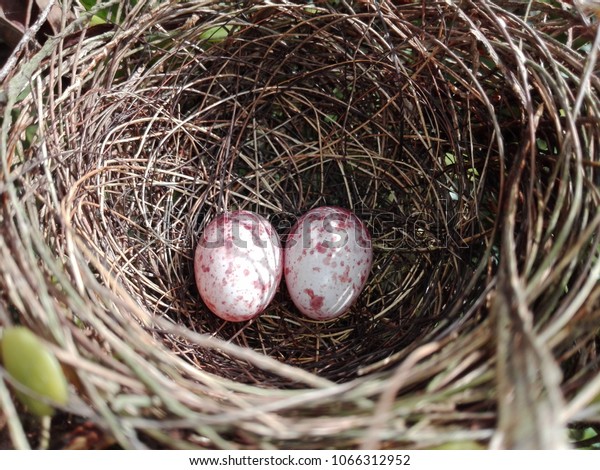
(458, 323)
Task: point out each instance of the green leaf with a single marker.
(449, 159)
(217, 33)
(88, 4)
(30, 134)
(33, 365)
(472, 174)
(104, 15)
(96, 20)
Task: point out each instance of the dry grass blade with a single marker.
(530, 402)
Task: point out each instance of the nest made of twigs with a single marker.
(466, 137)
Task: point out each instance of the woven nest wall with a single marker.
(465, 135)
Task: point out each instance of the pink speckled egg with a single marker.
(327, 260)
(238, 265)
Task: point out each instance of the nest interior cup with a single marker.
(283, 114)
(445, 130)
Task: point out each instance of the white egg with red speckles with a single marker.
(238, 265)
(327, 261)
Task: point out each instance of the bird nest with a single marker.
(465, 135)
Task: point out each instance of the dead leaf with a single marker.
(18, 15)
(10, 31)
(17, 11)
(54, 19)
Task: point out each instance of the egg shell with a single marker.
(238, 265)
(327, 261)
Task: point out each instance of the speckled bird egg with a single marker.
(327, 260)
(238, 265)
